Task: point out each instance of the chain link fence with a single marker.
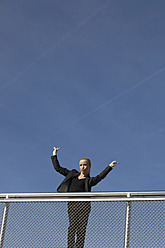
(56, 222)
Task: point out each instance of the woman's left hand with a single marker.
(113, 163)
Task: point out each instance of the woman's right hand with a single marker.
(55, 150)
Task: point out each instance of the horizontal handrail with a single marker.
(90, 196)
(82, 199)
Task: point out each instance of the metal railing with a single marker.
(116, 219)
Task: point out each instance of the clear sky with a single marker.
(86, 76)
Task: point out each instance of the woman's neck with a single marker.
(82, 176)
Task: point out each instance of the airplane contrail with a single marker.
(63, 38)
(111, 100)
(148, 136)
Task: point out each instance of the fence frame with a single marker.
(94, 196)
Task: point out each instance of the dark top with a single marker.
(77, 185)
(70, 174)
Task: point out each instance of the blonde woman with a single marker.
(76, 181)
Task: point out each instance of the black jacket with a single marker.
(69, 174)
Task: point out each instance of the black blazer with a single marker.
(69, 174)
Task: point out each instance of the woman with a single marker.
(75, 181)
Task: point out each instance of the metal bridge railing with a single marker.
(116, 219)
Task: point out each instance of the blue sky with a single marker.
(86, 76)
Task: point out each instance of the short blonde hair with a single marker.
(89, 161)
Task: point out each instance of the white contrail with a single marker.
(148, 136)
(80, 24)
(110, 100)
(47, 139)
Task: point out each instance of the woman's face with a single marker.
(84, 166)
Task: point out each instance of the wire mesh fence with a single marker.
(147, 224)
(82, 222)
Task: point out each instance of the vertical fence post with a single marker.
(4, 221)
(127, 222)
